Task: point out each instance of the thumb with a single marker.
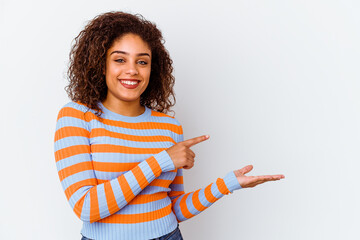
(246, 169)
(191, 142)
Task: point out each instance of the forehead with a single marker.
(130, 43)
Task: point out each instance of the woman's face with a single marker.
(128, 67)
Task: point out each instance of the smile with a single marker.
(130, 83)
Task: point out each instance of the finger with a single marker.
(264, 180)
(190, 159)
(189, 165)
(246, 169)
(192, 154)
(265, 177)
(191, 142)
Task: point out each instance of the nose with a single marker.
(132, 69)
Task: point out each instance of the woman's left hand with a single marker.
(252, 181)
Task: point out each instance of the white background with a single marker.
(274, 83)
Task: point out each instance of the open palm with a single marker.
(252, 181)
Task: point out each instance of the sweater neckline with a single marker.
(117, 116)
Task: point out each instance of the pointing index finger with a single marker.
(192, 141)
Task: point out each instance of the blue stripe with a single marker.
(215, 191)
(135, 132)
(77, 177)
(148, 207)
(203, 199)
(119, 195)
(127, 143)
(70, 141)
(85, 212)
(71, 122)
(77, 195)
(190, 205)
(164, 120)
(103, 207)
(69, 161)
(177, 209)
(119, 157)
(135, 187)
(146, 169)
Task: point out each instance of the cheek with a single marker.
(112, 69)
(146, 73)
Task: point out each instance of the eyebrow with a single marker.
(139, 54)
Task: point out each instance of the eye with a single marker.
(120, 60)
(142, 62)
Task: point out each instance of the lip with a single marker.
(129, 79)
(129, 86)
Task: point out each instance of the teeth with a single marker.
(130, 82)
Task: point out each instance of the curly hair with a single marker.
(87, 83)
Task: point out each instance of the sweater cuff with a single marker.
(164, 161)
(231, 182)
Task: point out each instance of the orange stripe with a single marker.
(140, 177)
(161, 183)
(146, 198)
(183, 207)
(154, 165)
(125, 188)
(74, 187)
(101, 181)
(70, 132)
(178, 180)
(113, 167)
(94, 205)
(143, 125)
(196, 201)
(73, 169)
(208, 194)
(138, 218)
(71, 112)
(110, 198)
(180, 130)
(71, 151)
(159, 114)
(222, 186)
(96, 148)
(99, 132)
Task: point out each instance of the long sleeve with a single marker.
(89, 200)
(187, 205)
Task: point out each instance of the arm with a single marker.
(187, 205)
(89, 200)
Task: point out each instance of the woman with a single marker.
(119, 156)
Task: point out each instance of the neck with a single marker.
(129, 109)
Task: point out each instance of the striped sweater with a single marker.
(119, 179)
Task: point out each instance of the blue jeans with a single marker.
(174, 235)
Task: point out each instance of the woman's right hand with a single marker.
(252, 181)
(182, 155)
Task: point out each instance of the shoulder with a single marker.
(165, 117)
(171, 123)
(74, 109)
(74, 105)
